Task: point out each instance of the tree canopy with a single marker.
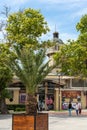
(26, 27)
(73, 56)
(5, 74)
(82, 24)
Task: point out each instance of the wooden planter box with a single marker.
(29, 122)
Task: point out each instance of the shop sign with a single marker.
(71, 94)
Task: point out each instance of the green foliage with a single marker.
(16, 107)
(82, 27)
(5, 73)
(72, 59)
(82, 24)
(30, 67)
(20, 109)
(5, 93)
(25, 27)
(73, 56)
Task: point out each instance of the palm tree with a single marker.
(31, 68)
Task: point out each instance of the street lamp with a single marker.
(58, 74)
(46, 91)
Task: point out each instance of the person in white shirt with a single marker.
(77, 108)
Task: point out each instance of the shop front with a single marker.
(70, 95)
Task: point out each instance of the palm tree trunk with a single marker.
(31, 104)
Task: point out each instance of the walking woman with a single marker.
(70, 108)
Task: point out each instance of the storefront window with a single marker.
(49, 102)
(22, 98)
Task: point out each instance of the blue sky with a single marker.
(63, 13)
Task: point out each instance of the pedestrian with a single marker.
(80, 107)
(70, 108)
(77, 108)
(40, 106)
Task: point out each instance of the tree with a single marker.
(5, 76)
(24, 30)
(31, 69)
(73, 55)
(71, 58)
(82, 24)
(26, 27)
(82, 28)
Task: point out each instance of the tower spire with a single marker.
(55, 34)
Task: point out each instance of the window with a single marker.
(22, 98)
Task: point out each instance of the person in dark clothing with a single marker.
(70, 108)
(80, 108)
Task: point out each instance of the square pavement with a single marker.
(57, 121)
(5, 122)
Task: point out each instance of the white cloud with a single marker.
(80, 13)
(63, 4)
(67, 36)
(14, 3)
(62, 1)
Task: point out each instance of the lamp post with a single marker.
(58, 74)
(46, 91)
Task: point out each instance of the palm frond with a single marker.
(30, 67)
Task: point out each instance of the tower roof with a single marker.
(55, 35)
(56, 38)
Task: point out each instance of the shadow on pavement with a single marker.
(5, 116)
